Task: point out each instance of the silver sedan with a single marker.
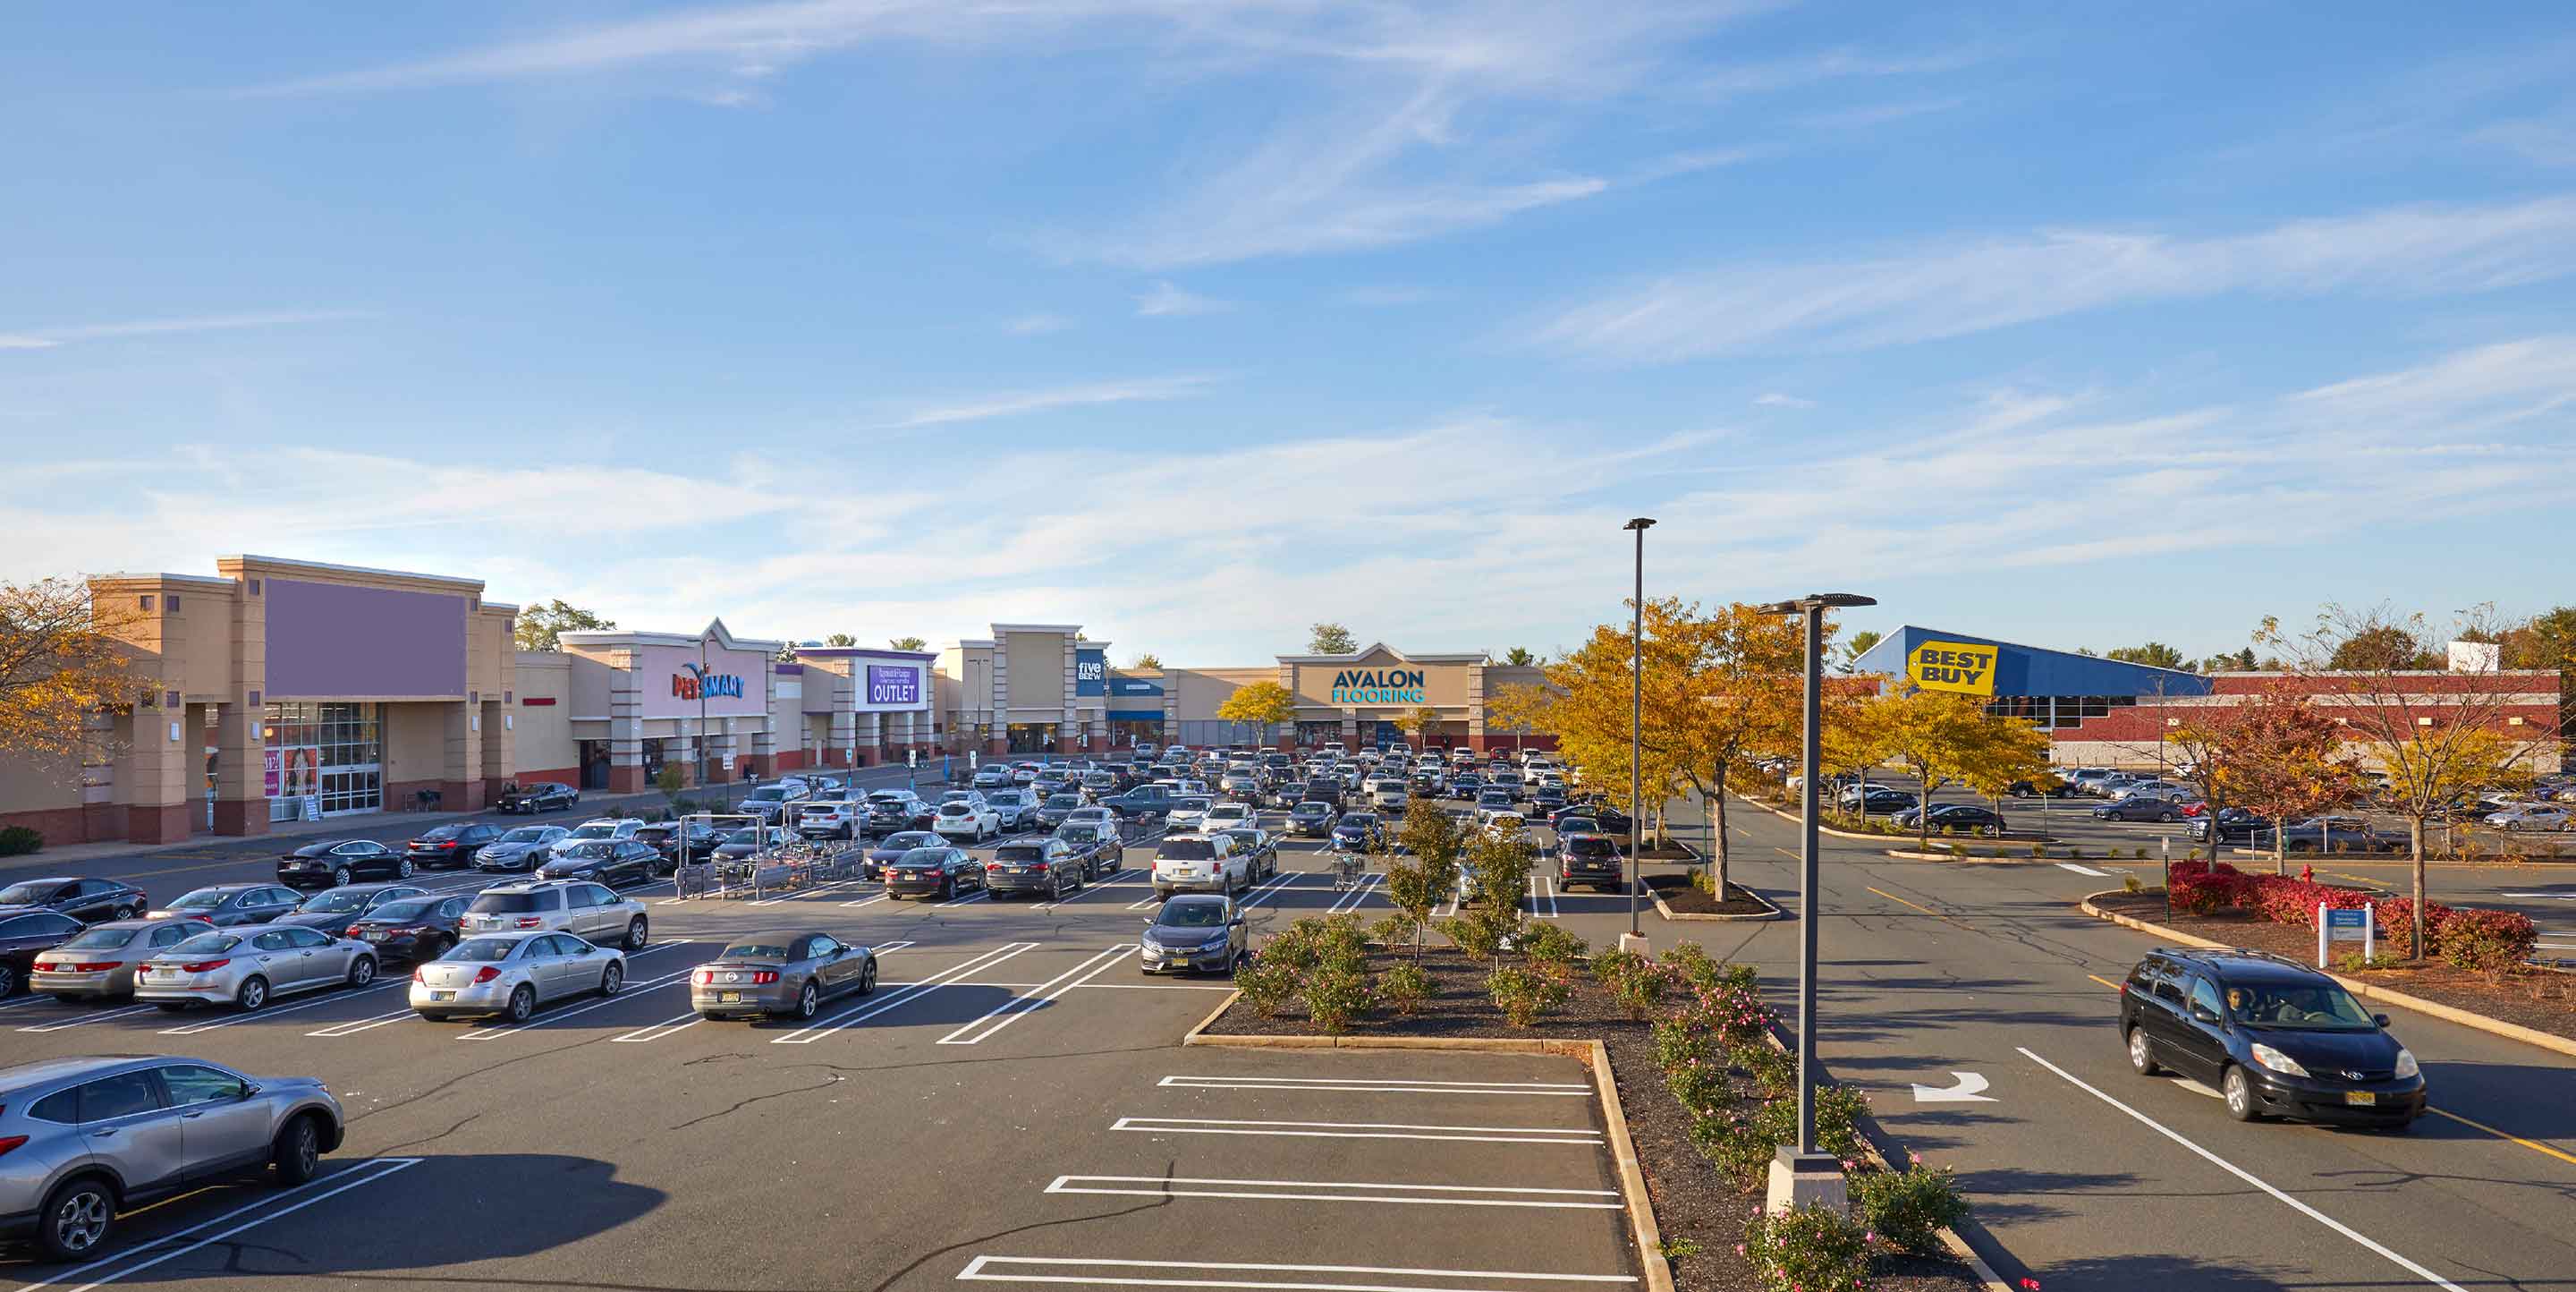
(251, 965)
(102, 961)
(510, 974)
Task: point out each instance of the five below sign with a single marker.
(1378, 686)
(1967, 668)
(696, 685)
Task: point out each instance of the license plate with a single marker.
(442, 995)
(728, 998)
(377, 935)
(2361, 1098)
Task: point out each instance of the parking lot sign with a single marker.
(2354, 924)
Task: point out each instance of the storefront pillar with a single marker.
(870, 738)
(157, 750)
(460, 782)
(843, 739)
(1066, 742)
(764, 753)
(500, 747)
(241, 786)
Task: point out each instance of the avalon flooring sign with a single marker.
(1377, 686)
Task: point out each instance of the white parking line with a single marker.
(868, 901)
(802, 893)
(95, 1016)
(996, 1269)
(1373, 1085)
(980, 895)
(2084, 870)
(1088, 889)
(2247, 1176)
(677, 977)
(391, 1165)
(1447, 1195)
(1351, 900)
(1271, 889)
(1359, 1130)
(1039, 997)
(327, 998)
(813, 1032)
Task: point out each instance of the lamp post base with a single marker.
(1802, 1179)
(1633, 942)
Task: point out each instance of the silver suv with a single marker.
(94, 1136)
(591, 912)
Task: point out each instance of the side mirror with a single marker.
(1235, 923)
(2381, 1019)
(2204, 1014)
(250, 1090)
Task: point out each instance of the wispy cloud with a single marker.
(1386, 296)
(1037, 324)
(1831, 65)
(1925, 293)
(47, 338)
(1168, 300)
(1774, 399)
(1039, 401)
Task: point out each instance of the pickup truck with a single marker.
(1147, 801)
(2330, 834)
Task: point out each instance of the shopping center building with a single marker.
(1356, 699)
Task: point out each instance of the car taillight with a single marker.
(204, 966)
(416, 977)
(9, 1142)
(530, 922)
(764, 977)
(487, 973)
(992, 865)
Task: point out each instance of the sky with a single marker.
(1195, 322)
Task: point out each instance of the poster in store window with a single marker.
(272, 769)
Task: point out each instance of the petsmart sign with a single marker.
(1967, 668)
(1377, 686)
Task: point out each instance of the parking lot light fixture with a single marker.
(1800, 1174)
(1636, 712)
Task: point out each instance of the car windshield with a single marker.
(1362, 819)
(204, 899)
(526, 834)
(956, 809)
(1588, 847)
(1191, 915)
(924, 857)
(1064, 800)
(911, 839)
(406, 911)
(2298, 1006)
(482, 950)
(99, 940)
(338, 899)
(593, 851)
(205, 944)
(1312, 809)
(768, 794)
(754, 951)
(27, 894)
(594, 832)
(1023, 852)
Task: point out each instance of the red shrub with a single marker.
(2486, 940)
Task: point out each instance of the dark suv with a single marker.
(2276, 1037)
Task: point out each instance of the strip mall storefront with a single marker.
(1357, 699)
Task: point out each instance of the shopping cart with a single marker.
(1348, 869)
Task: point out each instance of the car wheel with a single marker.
(77, 1219)
(612, 979)
(868, 978)
(8, 981)
(362, 971)
(402, 869)
(948, 889)
(2142, 1055)
(635, 934)
(809, 1002)
(523, 1004)
(340, 877)
(133, 912)
(253, 993)
(2239, 1093)
(2167, 817)
(297, 1155)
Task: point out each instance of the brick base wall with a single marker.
(71, 824)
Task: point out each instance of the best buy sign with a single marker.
(1967, 668)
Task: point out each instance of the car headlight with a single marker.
(2406, 1065)
(2277, 1061)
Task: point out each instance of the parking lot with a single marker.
(1009, 1105)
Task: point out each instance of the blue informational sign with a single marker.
(2356, 918)
(1090, 671)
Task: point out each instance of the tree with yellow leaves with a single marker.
(1264, 704)
(1948, 739)
(61, 663)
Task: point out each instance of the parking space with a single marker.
(1326, 1170)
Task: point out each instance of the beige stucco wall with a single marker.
(1036, 672)
(543, 732)
(1201, 690)
(415, 738)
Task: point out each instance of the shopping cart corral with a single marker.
(772, 871)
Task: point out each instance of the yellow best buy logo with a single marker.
(1965, 667)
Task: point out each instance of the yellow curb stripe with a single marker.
(1925, 909)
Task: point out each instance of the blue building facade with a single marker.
(2056, 689)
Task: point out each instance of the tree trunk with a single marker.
(1717, 842)
(2415, 927)
(2280, 831)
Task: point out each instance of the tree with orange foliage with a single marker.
(61, 664)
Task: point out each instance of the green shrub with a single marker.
(1733, 1012)
(1267, 985)
(2129, 882)
(1678, 1041)
(1611, 966)
(1554, 949)
(1640, 989)
(2038, 851)
(1340, 943)
(1774, 1071)
(18, 841)
(1807, 1249)
(1474, 935)
(1691, 962)
(1906, 1207)
(1838, 1113)
(1702, 1088)
(2485, 941)
(1404, 987)
(1395, 931)
(1732, 1143)
(1526, 995)
(1337, 997)
(1292, 948)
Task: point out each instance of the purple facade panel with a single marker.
(330, 639)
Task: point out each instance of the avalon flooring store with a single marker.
(280, 690)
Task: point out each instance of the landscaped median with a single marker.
(1694, 897)
(1696, 1091)
(2476, 976)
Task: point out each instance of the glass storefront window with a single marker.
(333, 753)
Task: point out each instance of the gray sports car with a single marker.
(780, 975)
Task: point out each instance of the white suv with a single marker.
(1205, 863)
(970, 817)
(576, 906)
(1227, 816)
(829, 819)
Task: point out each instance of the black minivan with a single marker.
(2274, 1036)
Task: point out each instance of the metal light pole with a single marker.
(1636, 726)
(1800, 1173)
(702, 709)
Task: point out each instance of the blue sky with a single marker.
(1196, 321)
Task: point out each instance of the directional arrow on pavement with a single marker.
(1963, 1090)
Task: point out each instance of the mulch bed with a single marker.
(1687, 899)
(2541, 999)
(1692, 1200)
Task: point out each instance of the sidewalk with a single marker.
(593, 804)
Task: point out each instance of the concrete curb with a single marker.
(1775, 913)
(2367, 991)
(1623, 1150)
(1907, 854)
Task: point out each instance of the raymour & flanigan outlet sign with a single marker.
(1377, 686)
